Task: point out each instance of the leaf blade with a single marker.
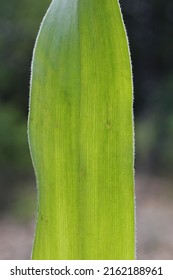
(81, 133)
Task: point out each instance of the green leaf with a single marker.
(81, 133)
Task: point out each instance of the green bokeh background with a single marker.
(150, 29)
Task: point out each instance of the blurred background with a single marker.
(150, 29)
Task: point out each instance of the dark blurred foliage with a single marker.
(19, 24)
(149, 24)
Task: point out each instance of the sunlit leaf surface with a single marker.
(81, 133)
